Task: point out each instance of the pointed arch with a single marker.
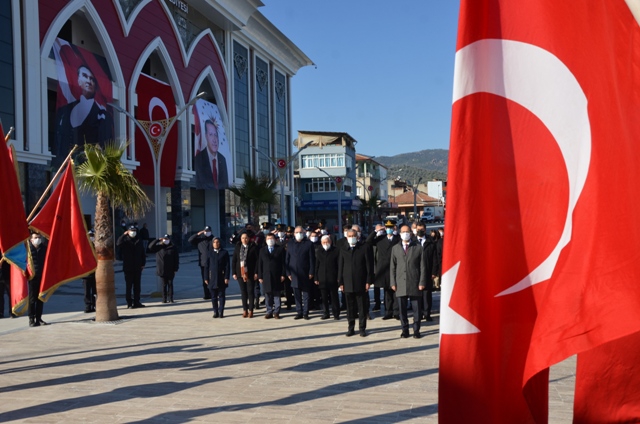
(127, 23)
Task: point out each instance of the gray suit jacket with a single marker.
(408, 271)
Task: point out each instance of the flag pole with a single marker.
(33, 211)
(6, 138)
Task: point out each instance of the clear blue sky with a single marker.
(384, 69)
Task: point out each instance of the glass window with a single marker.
(241, 106)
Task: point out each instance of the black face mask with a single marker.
(421, 233)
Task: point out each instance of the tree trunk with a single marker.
(106, 307)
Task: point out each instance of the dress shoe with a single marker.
(404, 335)
(41, 322)
(87, 310)
(215, 315)
(164, 300)
(298, 317)
(250, 314)
(138, 305)
(33, 323)
(369, 316)
(221, 314)
(268, 316)
(386, 317)
(129, 306)
(397, 317)
(245, 314)
(324, 317)
(416, 335)
(288, 307)
(428, 318)
(376, 307)
(350, 333)
(257, 305)
(276, 316)
(306, 317)
(336, 318)
(363, 333)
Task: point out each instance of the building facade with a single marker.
(371, 189)
(128, 52)
(326, 175)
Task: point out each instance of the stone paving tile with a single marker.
(173, 363)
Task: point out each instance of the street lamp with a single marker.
(282, 165)
(155, 132)
(415, 194)
(339, 181)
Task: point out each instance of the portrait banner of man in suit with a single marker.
(212, 161)
(84, 89)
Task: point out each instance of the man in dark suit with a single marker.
(38, 250)
(384, 243)
(271, 275)
(202, 240)
(83, 120)
(355, 272)
(133, 261)
(300, 264)
(209, 164)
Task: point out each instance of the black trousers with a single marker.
(205, 287)
(330, 295)
(390, 303)
(167, 288)
(247, 290)
(376, 297)
(218, 298)
(89, 285)
(357, 303)
(132, 286)
(5, 287)
(427, 299)
(416, 305)
(35, 304)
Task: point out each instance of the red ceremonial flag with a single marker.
(70, 255)
(543, 148)
(13, 222)
(19, 291)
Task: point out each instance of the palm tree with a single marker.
(256, 193)
(103, 175)
(371, 205)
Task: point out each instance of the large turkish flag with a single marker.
(542, 158)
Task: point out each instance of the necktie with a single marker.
(405, 248)
(215, 173)
(271, 250)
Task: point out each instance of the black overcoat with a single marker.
(355, 267)
(271, 268)
(300, 263)
(167, 259)
(327, 267)
(134, 257)
(216, 268)
(383, 244)
(203, 243)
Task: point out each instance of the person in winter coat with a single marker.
(271, 275)
(327, 277)
(408, 279)
(216, 269)
(133, 261)
(38, 247)
(89, 285)
(384, 243)
(355, 273)
(243, 266)
(202, 241)
(167, 264)
(300, 264)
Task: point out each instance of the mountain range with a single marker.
(429, 164)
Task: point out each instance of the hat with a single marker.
(207, 228)
(390, 223)
(290, 229)
(266, 225)
(281, 227)
(166, 236)
(321, 225)
(132, 227)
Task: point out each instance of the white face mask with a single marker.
(271, 242)
(405, 236)
(132, 234)
(345, 234)
(313, 239)
(352, 240)
(281, 234)
(207, 233)
(165, 241)
(415, 231)
(324, 232)
(299, 236)
(308, 234)
(36, 241)
(326, 246)
(441, 235)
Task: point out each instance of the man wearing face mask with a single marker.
(38, 247)
(340, 244)
(300, 263)
(429, 247)
(384, 243)
(89, 285)
(355, 272)
(326, 280)
(271, 275)
(167, 264)
(133, 261)
(379, 231)
(202, 240)
(437, 267)
(408, 279)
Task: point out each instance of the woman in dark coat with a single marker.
(216, 270)
(167, 264)
(271, 275)
(243, 265)
(327, 277)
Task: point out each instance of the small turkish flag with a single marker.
(543, 148)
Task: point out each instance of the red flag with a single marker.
(70, 255)
(545, 98)
(19, 291)
(13, 222)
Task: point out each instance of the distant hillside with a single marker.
(428, 164)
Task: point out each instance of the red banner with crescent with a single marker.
(156, 105)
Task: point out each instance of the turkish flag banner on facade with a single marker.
(155, 103)
(543, 156)
(69, 255)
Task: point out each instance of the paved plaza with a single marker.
(173, 363)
